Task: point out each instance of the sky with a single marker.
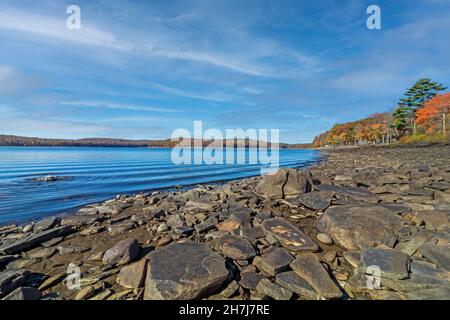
(141, 69)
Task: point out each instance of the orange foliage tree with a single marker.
(434, 114)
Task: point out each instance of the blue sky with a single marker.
(140, 69)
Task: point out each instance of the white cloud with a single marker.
(113, 105)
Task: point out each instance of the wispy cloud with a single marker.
(113, 105)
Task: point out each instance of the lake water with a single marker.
(96, 174)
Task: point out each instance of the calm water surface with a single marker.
(96, 174)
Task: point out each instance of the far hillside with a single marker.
(421, 115)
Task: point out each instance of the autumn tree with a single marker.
(434, 114)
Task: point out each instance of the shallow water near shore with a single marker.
(96, 174)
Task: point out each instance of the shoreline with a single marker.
(392, 203)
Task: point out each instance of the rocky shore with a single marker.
(369, 223)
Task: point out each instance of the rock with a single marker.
(46, 224)
(288, 235)
(356, 226)
(123, 252)
(79, 221)
(52, 281)
(249, 280)
(163, 241)
(85, 293)
(234, 247)
(22, 263)
(296, 184)
(430, 294)
(308, 267)
(170, 276)
(103, 295)
(293, 282)
(273, 261)
(34, 240)
(318, 201)
(273, 290)
(261, 216)
(24, 293)
(121, 227)
(200, 205)
(52, 242)
(393, 264)
(392, 179)
(207, 225)
(183, 230)
(133, 276)
(72, 249)
(229, 225)
(43, 253)
(324, 238)
(271, 185)
(433, 219)
(254, 233)
(94, 229)
(11, 280)
(4, 260)
(28, 228)
(162, 228)
(349, 194)
(438, 254)
(230, 289)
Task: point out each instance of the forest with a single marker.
(420, 115)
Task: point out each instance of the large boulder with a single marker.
(284, 183)
(184, 271)
(123, 252)
(356, 226)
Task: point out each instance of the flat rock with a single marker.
(122, 253)
(439, 254)
(234, 247)
(24, 293)
(433, 219)
(133, 276)
(72, 249)
(121, 227)
(273, 261)
(206, 225)
(293, 282)
(349, 194)
(52, 281)
(45, 224)
(316, 200)
(173, 276)
(79, 220)
(273, 290)
(296, 184)
(393, 264)
(43, 253)
(249, 280)
(34, 240)
(288, 235)
(22, 263)
(271, 185)
(11, 279)
(430, 294)
(308, 267)
(357, 226)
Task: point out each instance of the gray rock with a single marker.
(308, 267)
(184, 271)
(293, 282)
(11, 280)
(133, 276)
(34, 240)
(356, 226)
(72, 249)
(24, 293)
(206, 225)
(273, 290)
(393, 264)
(123, 252)
(288, 235)
(249, 280)
(296, 184)
(316, 200)
(349, 194)
(254, 233)
(273, 261)
(230, 289)
(438, 254)
(121, 227)
(430, 294)
(324, 238)
(234, 247)
(271, 185)
(42, 253)
(79, 220)
(46, 224)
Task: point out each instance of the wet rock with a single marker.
(273, 261)
(308, 267)
(123, 252)
(288, 235)
(293, 282)
(356, 226)
(24, 293)
(133, 276)
(234, 247)
(273, 290)
(316, 200)
(170, 276)
(34, 240)
(393, 264)
(11, 280)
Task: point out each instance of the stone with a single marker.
(261, 216)
(439, 254)
(249, 280)
(296, 184)
(392, 179)
(162, 228)
(356, 226)
(273, 290)
(183, 230)
(200, 205)
(103, 295)
(133, 276)
(229, 225)
(308, 267)
(324, 238)
(230, 289)
(393, 264)
(172, 276)
(293, 282)
(52, 281)
(273, 261)
(24, 293)
(433, 219)
(22, 263)
(79, 220)
(11, 280)
(45, 224)
(206, 225)
(52, 242)
(123, 252)
(430, 294)
(72, 249)
(349, 194)
(288, 235)
(318, 201)
(271, 185)
(85, 293)
(34, 240)
(254, 233)
(234, 247)
(42, 253)
(121, 227)
(4, 260)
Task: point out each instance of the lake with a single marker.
(97, 174)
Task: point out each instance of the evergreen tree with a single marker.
(415, 97)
